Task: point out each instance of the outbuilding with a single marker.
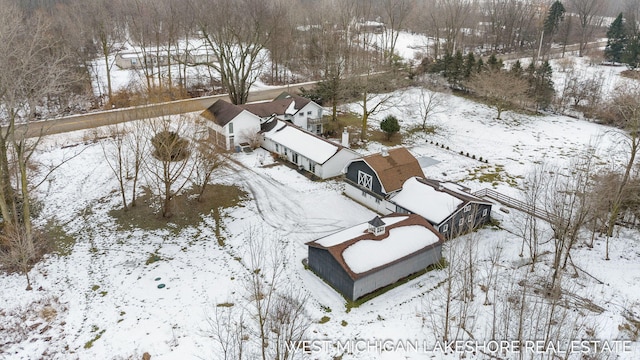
(371, 180)
(448, 206)
(369, 256)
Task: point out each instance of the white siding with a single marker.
(336, 164)
(378, 205)
(243, 125)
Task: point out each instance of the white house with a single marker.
(300, 111)
(310, 152)
(231, 124)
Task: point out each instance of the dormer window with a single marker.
(376, 226)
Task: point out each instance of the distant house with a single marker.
(361, 259)
(371, 180)
(230, 124)
(137, 60)
(449, 207)
(370, 27)
(300, 111)
(310, 152)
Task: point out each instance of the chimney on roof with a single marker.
(377, 226)
(384, 151)
(345, 138)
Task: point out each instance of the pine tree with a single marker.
(553, 19)
(469, 65)
(390, 125)
(494, 63)
(480, 65)
(631, 54)
(516, 68)
(617, 40)
(455, 70)
(542, 90)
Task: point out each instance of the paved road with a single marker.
(102, 118)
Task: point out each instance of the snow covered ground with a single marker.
(102, 299)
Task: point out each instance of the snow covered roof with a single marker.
(433, 200)
(394, 169)
(304, 143)
(360, 252)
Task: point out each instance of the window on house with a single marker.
(484, 212)
(312, 166)
(364, 194)
(467, 208)
(285, 151)
(230, 128)
(470, 219)
(319, 129)
(134, 61)
(277, 148)
(308, 112)
(461, 222)
(377, 201)
(445, 228)
(365, 180)
(302, 114)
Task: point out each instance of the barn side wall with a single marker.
(395, 272)
(326, 266)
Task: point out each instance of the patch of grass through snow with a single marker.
(493, 174)
(62, 243)
(187, 210)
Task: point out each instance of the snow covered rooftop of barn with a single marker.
(353, 232)
(426, 201)
(366, 255)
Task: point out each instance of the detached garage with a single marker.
(361, 259)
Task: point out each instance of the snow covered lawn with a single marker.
(103, 301)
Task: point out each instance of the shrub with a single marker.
(169, 146)
(390, 126)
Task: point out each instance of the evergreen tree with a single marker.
(631, 54)
(542, 90)
(390, 125)
(516, 69)
(494, 63)
(617, 40)
(469, 65)
(480, 65)
(455, 69)
(553, 19)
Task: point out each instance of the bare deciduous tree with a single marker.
(589, 17)
(491, 86)
(19, 250)
(170, 168)
(207, 160)
(278, 310)
(236, 33)
(228, 329)
(431, 103)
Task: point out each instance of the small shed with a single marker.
(359, 260)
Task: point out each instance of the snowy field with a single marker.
(102, 300)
